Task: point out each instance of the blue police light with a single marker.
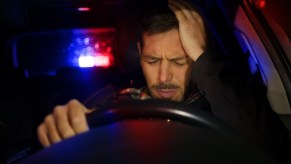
(92, 50)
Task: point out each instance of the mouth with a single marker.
(166, 93)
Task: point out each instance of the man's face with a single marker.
(165, 65)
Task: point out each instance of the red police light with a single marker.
(84, 9)
(259, 3)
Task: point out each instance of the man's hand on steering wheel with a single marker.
(66, 121)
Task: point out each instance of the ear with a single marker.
(138, 47)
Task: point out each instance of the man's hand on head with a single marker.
(191, 28)
(65, 121)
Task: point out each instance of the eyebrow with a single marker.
(151, 57)
(178, 58)
(157, 58)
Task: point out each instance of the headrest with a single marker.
(126, 38)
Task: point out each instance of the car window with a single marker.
(265, 53)
(276, 14)
(43, 53)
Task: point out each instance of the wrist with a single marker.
(194, 55)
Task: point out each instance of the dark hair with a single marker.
(160, 19)
(153, 22)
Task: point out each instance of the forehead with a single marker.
(166, 43)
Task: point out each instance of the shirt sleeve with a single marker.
(241, 102)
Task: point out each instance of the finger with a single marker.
(77, 116)
(52, 132)
(202, 26)
(198, 18)
(194, 12)
(42, 136)
(62, 122)
(187, 5)
(183, 8)
(178, 13)
(190, 12)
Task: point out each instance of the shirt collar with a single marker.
(143, 94)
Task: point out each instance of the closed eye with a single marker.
(179, 61)
(179, 64)
(152, 61)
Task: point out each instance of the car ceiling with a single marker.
(59, 13)
(63, 13)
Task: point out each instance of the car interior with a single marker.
(56, 50)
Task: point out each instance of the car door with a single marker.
(263, 31)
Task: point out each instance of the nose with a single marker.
(165, 73)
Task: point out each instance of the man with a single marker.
(173, 55)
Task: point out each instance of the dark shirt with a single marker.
(242, 103)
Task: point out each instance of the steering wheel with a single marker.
(152, 131)
(158, 109)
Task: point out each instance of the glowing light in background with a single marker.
(91, 61)
(109, 49)
(97, 45)
(91, 51)
(262, 4)
(86, 61)
(103, 61)
(84, 9)
(86, 41)
(259, 3)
